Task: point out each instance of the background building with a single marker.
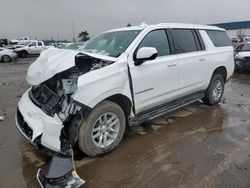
(234, 29)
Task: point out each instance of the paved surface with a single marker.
(197, 146)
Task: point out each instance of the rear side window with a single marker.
(219, 38)
(40, 44)
(184, 40)
(157, 39)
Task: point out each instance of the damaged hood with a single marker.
(53, 61)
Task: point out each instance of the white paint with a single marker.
(40, 123)
(145, 52)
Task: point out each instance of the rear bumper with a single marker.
(36, 126)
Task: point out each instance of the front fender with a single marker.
(98, 85)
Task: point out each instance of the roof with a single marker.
(234, 25)
(168, 25)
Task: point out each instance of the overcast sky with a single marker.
(53, 18)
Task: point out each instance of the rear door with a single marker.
(192, 57)
(155, 81)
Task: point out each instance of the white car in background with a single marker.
(242, 58)
(7, 55)
(21, 40)
(121, 78)
(32, 48)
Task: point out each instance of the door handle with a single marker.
(202, 59)
(172, 64)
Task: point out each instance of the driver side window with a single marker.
(32, 44)
(157, 39)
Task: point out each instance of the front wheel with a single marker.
(215, 90)
(102, 130)
(6, 59)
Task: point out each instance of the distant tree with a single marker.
(83, 36)
(129, 25)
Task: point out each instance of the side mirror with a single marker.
(144, 54)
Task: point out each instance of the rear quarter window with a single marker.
(219, 38)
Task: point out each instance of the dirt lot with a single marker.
(197, 146)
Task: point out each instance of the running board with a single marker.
(165, 108)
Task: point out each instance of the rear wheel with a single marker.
(102, 130)
(6, 58)
(215, 90)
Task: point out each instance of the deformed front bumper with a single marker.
(243, 63)
(36, 126)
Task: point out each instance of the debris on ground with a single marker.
(139, 130)
(223, 101)
(4, 83)
(62, 173)
(2, 116)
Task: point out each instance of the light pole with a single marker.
(73, 28)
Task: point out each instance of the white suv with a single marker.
(120, 78)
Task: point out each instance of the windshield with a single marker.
(74, 46)
(112, 43)
(246, 47)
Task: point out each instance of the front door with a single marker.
(33, 48)
(155, 81)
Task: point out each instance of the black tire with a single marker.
(209, 97)
(87, 142)
(23, 54)
(6, 59)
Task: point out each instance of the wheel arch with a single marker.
(25, 51)
(10, 59)
(222, 71)
(123, 101)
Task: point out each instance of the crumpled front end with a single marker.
(38, 127)
(47, 113)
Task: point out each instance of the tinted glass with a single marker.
(184, 40)
(40, 44)
(157, 39)
(32, 44)
(111, 43)
(219, 38)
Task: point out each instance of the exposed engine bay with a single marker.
(54, 95)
